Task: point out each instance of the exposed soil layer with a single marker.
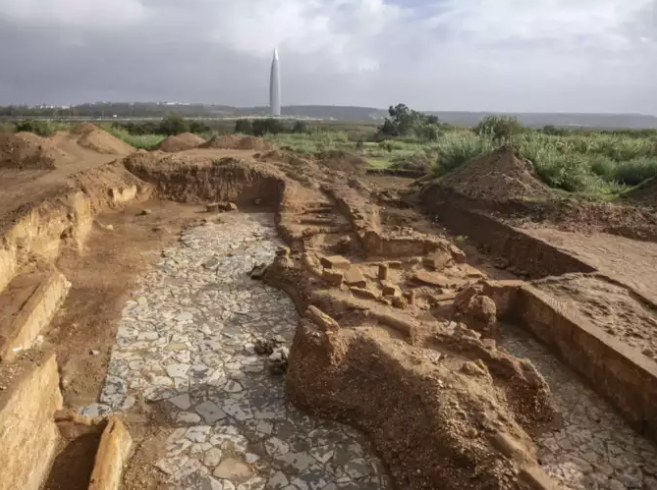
(612, 307)
(343, 161)
(234, 142)
(26, 151)
(95, 139)
(502, 175)
(180, 142)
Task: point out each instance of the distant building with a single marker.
(275, 87)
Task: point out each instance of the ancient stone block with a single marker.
(383, 272)
(389, 289)
(323, 320)
(363, 293)
(437, 260)
(354, 277)
(111, 457)
(335, 262)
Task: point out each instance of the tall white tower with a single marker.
(275, 87)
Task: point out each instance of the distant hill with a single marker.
(143, 110)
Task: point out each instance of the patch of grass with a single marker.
(456, 148)
(138, 141)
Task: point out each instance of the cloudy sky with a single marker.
(478, 55)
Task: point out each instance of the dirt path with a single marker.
(632, 262)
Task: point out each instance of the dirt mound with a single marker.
(234, 142)
(180, 142)
(282, 156)
(646, 193)
(343, 161)
(502, 175)
(95, 139)
(26, 151)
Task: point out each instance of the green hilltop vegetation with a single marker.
(585, 162)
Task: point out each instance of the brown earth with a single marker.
(235, 142)
(502, 175)
(27, 151)
(180, 142)
(99, 141)
(343, 161)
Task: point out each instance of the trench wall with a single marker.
(628, 380)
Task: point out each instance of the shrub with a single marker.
(300, 127)
(636, 171)
(174, 124)
(244, 126)
(500, 128)
(199, 127)
(41, 128)
(262, 127)
(455, 149)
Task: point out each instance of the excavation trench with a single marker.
(186, 343)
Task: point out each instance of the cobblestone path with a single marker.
(595, 448)
(187, 340)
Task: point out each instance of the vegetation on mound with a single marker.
(595, 163)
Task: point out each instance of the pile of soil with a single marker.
(646, 193)
(502, 175)
(26, 151)
(95, 139)
(282, 156)
(234, 142)
(180, 142)
(343, 161)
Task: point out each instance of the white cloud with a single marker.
(551, 55)
(82, 13)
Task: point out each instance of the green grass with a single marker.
(140, 142)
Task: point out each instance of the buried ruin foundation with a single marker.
(388, 384)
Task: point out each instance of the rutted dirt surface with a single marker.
(304, 299)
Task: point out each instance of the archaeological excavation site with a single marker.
(226, 315)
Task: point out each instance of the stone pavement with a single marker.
(187, 339)
(595, 448)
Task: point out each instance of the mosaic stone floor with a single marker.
(595, 448)
(187, 340)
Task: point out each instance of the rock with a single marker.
(334, 278)
(278, 360)
(649, 353)
(283, 252)
(410, 297)
(264, 347)
(354, 277)
(257, 201)
(344, 245)
(258, 271)
(457, 254)
(435, 279)
(390, 289)
(476, 310)
(221, 206)
(232, 469)
(323, 320)
(400, 303)
(474, 368)
(94, 352)
(437, 260)
(144, 212)
(335, 262)
(211, 263)
(363, 293)
(383, 273)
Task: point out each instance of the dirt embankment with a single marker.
(645, 194)
(502, 175)
(27, 151)
(180, 142)
(235, 142)
(93, 138)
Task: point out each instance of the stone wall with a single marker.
(615, 370)
(28, 434)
